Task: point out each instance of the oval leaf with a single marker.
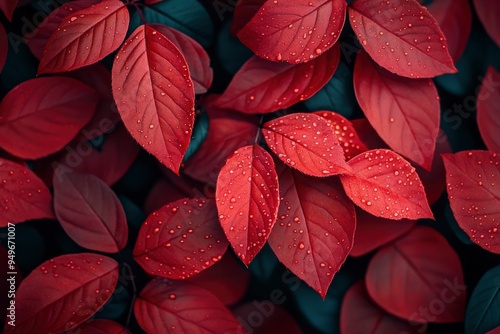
(86, 37)
(488, 110)
(404, 112)
(89, 211)
(101, 326)
(23, 196)
(40, 116)
(261, 86)
(296, 32)
(63, 292)
(155, 95)
(424, 261)
(474, 194)
(247, 198)
(165, 306)
(180, 239)
(386, 185)
(315, 227)
(488, 12)
(402, 37)
(306, 142)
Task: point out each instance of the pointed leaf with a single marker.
(295, 32)
(40, 116)
(4, 47)
(196, 57)
(8, 7)
(155, 95)
(63, 292)
(261, 86)
(102, 326)
(306, 142)
(424, 261)
(401, 36)
(23, 196)
(488, 110)
(315, 228)
(90, 212)
(474, 194)
(404, 112)
(247, 198)
(385, 185)
(164, 306)
(488, 12)
(180, 239)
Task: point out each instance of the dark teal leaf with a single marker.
(188, 16)
(117, 305)
(230, 52)
(483, 310)
(200, 131)
(337, 95)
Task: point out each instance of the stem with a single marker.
(139, 11)
(134, 290)
(259, 130)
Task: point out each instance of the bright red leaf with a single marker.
(89, 211)
(196, 57)
(86, 37)
(416, 275)
(295, 32)
(63, 292)
(404, 112)
(37, 39)
(455, 20)
(4, 47)
(488, 13)
(373, 232)
(386, 185)
(244, 11)
(315, 227)
(8, 7)
(247, 200)
(401, 36)
(306, 142)
(180, 239)
(474, 194)
(23, 196)
(40, 116)
(165, 306)
(345, 132)
(360, 315)
(261, 86)
(155, 95)
(101, 326)
(488, 110)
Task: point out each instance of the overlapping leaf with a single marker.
(401, 36)
(155, 95)
(487, 12)
(488, 110)
(247, 198)
(4, 47)
(244, 11)
(8, 7)
(295, 32)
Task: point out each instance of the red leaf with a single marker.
(404, 112)
(367, 134)
(244, 11)
(4, 47)
(418, 272)
(86, 37)
(247, 198)
(23, 195)
(386, 185)
(474, 194)
(165, 306)
(196, 57)
(101, 326)
(275, 320)
(295, 32)
(494, 331)
(315, 228)
(37, 39)
(488, 13)
(455, 20)
(8, 7)
(345, 132)
(90, 212)
(40, 116)
(359, 315)
(373, 232)
(227, 131)
(155, 95)
(261, 86)
(181, 239)
(167, 190)
(306, 142)
(401, 36)
(488, 110)
(64, 292)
